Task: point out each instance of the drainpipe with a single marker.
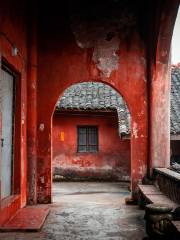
(32, 111)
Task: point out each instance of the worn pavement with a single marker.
(88, 211)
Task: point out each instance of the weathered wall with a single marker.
(122, 52)
(65, 58)
(13, 32)
(75, 47)
(163, 17)
(111, 162)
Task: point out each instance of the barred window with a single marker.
(87, 139)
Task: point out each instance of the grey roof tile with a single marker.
(175, 101)
(91, 95)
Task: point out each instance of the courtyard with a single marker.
(88, 211)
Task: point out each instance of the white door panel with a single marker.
(7, 131)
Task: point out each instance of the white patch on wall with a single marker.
(41, 127)
(135, 130)
(105, 55)
(42, 180)
(102, 35)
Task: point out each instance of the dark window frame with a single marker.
(90, 130)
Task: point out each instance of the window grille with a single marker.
(87, 139)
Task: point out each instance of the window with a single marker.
(87, 139)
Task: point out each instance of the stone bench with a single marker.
(151, 194)
(168, 182)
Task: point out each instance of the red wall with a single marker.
(14, 33)
(159, 84)
(112, 162)
(141, 76)
(62, 63)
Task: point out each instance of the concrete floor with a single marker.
(88, 211)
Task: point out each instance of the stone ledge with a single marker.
(153, 195)
(168, 173)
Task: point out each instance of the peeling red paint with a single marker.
(111, 162)
(141, 76)
(67, 69)
(159, 90)
(15, 32)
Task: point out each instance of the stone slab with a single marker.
(149, 189)
(169, 173)
(30, 218)
(154, 195)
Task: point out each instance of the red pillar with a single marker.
(160, 89)
(32, 114)
(160, 118)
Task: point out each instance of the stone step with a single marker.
(153, 195)
(30, 218)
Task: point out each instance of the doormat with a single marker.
(30, 218)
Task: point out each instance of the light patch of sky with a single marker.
(176, 41)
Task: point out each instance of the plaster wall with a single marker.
(111, 162)
(14, 34)
(62, 62)
(131, 54)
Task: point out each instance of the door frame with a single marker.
(16, 129)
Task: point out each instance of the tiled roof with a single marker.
(93, 96)
(175, 101)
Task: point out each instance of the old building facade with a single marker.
(89, 128)
(45, 50)
(89, 105)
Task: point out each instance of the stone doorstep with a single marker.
(30, 218)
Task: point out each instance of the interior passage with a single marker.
(89, 211)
